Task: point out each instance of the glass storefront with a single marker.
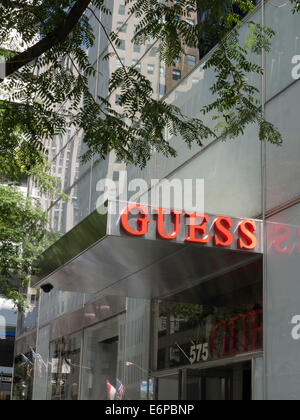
(199, 343)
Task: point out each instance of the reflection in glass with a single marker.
(214, 320)
(103, 346)
(116, 356)
(23, 376)
(65, 368)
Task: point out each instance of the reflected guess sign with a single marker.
(183, 226)
(237, 335)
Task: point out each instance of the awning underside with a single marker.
(134, 267)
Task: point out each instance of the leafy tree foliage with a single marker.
(51, 31)
(23, 237)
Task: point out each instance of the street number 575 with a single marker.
(199, 352)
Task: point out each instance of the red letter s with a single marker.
(223, 236)
(248, 239)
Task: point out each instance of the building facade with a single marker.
(163, 310)
(8, 321)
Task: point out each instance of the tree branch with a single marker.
(52, 39)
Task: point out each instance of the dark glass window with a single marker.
(176, 74)
(153, 52)
(122, 9)
(191, 59)
(121, 44)
(162, 90)
(150, 68)
(121, 27)
(136, 48)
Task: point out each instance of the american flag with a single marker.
(111, 391)
(120, 390)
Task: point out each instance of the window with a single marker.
(191, 59)
(120, 62)
(116, 176)
(122, 9)
(117, 101)
(162, 71)
(136, 65)
(153, 52)
(150, 68)
(121, 27)
(176, 74)
(148, 47)
(121, 44)
(162, 90)
(136, 48)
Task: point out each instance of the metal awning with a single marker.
(98, 255)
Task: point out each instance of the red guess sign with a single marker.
(219, 232)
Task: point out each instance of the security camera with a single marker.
(47, 287)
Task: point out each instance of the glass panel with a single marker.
(232, 382)
(65, 368)
(27, 321)
(23, 376)
(220, 318)
(116, 356)
(136, 333)
(64, 215)
(283, 163)
(224, 181)
(67, 166)
(57, 303)
(168, 388)
(258, 366)
(283, 303)
(102, 368)
(285, 45)
(41, 364)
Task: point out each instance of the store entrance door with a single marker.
(232, 382)
(223, 383)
